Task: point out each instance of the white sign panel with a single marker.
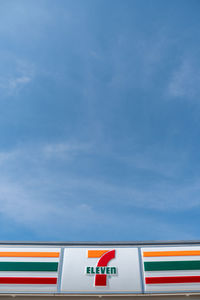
(171, 269)
(29, 269)
(100, 269)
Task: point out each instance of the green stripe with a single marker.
(29, 266)
(172, 265)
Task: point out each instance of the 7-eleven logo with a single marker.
(101, 270)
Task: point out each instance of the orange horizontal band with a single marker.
(29, 254)
(171, 253)
(96, 253)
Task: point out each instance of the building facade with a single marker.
(108, 270)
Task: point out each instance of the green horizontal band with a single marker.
(29, 266)
(172, 265)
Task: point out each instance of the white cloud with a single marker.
(33, 209)
(160, 195)
(8, 156)
(16, 83)
(29, 208)
(35, 197)
(133, 65)
(65, 150)
(185, 81)
(15, 74)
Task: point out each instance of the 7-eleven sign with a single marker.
(98, 269)
(102, 269)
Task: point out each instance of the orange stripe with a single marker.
(96, 253)
(171, 253)
(29, 254)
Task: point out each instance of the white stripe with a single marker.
(29, 259)
(28, 288)
(28, 274)
(172, 273)
(172, 258)
(172, 287)
(177, 248)
(25, 249)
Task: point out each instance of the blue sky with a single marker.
(99, 120)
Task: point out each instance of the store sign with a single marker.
(96, 270)
(100, 270)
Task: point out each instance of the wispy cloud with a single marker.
(17, 83)
(65, 150)
(19, 74)
(70, 202)
(160, 195)
(63, 219)
(24, 206)
(133, 65)
(185, 81)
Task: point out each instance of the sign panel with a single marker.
(171, 269)
(100, 269)
(29, 269)
(96, 270)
